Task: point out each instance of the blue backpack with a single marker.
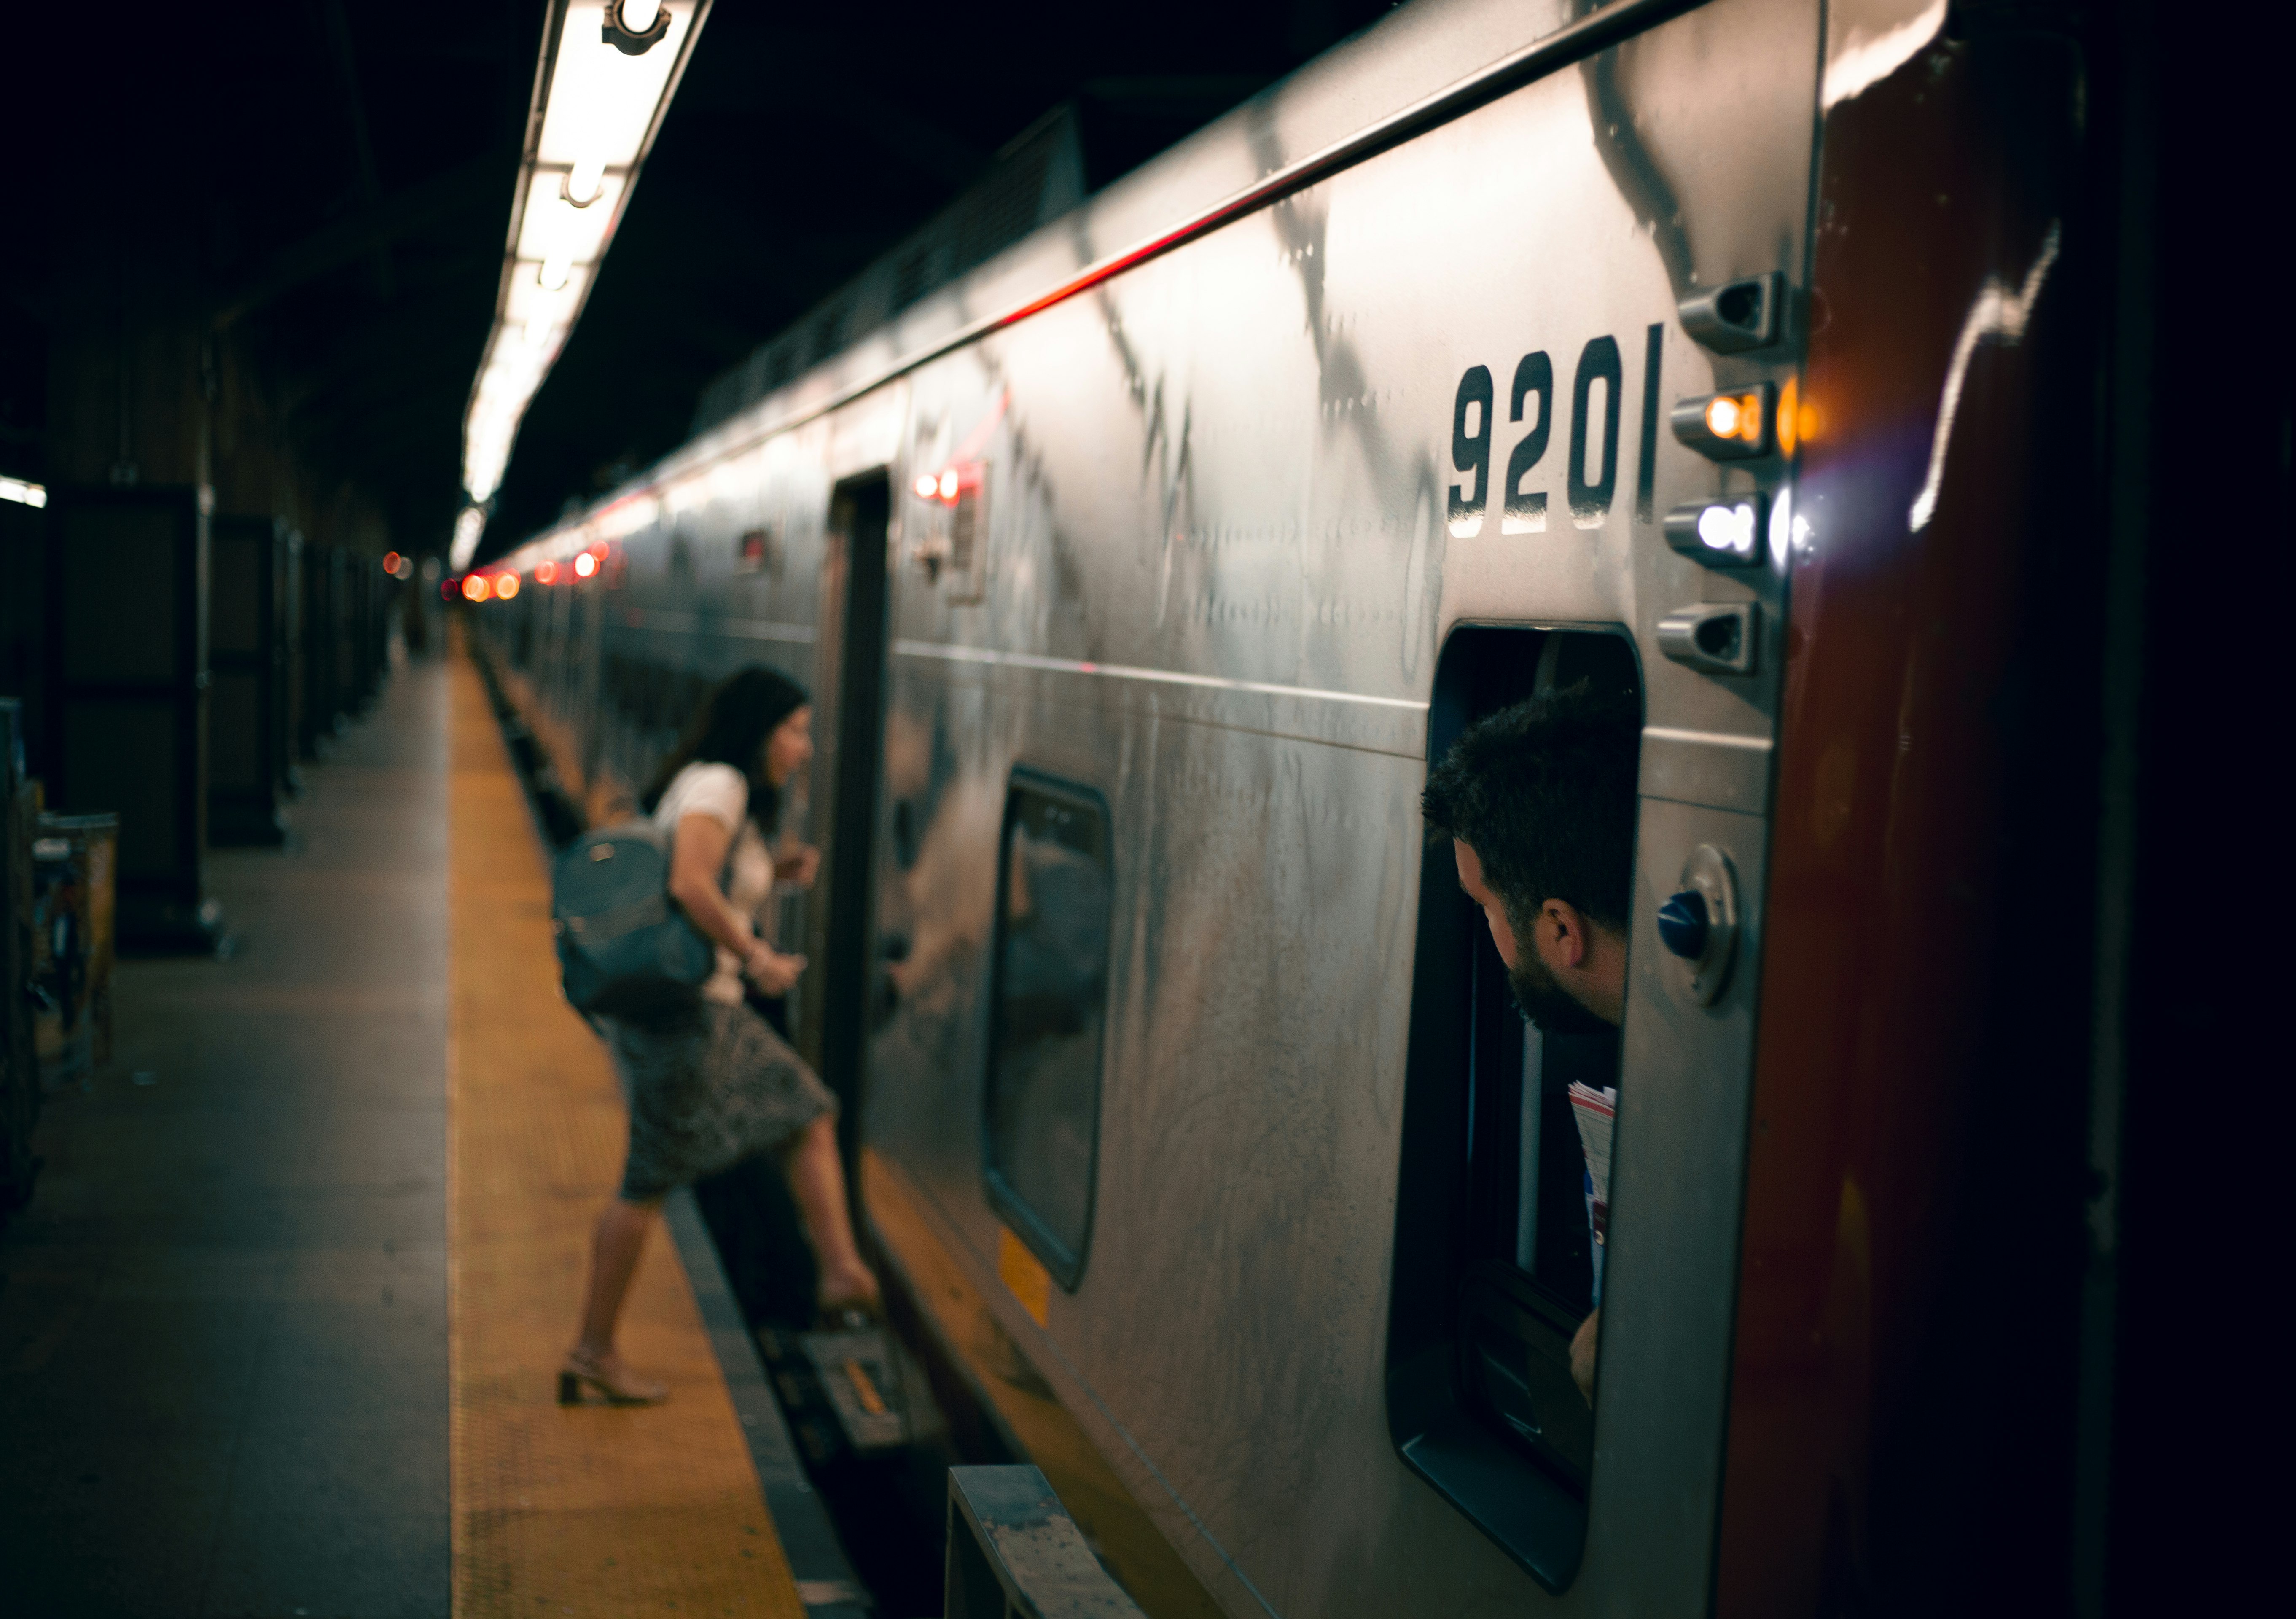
(625, 948)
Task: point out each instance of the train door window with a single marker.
(1048, 1000)
(1506, 1142)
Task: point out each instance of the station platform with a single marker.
(280, 1327)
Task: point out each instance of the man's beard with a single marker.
(1541, 999)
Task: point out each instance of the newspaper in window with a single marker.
(1597, 1112)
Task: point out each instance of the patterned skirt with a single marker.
(706, 1091)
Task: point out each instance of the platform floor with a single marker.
(230, 1379)
(222, 1317)
(590, 1510)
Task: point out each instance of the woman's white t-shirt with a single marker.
(721, 793)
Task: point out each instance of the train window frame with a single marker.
(1525, 1488)
(1064, 1264)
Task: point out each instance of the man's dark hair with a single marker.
(1545, 794)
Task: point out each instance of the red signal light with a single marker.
(546, 572)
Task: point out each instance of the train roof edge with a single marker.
(1417, 49)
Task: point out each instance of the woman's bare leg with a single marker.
(616, 1245)
(817, 1181)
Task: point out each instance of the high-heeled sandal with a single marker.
(620, 1387)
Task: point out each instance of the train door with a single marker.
(848, 709)
(1673, 380)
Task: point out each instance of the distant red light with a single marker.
(475, 588)
(546, 573)
(450, 589)
(391, 564)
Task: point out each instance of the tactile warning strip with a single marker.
(589, 1510)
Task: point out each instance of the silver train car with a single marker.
(1718, 353)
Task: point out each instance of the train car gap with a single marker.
(848, 727)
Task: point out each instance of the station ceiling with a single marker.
(333, 179)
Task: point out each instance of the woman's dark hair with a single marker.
(740, 712)
(1544, 793)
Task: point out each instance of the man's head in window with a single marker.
(1539, 800)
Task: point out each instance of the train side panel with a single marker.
(1232, 504)
(1237, 464)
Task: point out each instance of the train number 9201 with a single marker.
(1592, 474)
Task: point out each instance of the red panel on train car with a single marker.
(1892, 951)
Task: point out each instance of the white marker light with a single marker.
(948, 484)
(1720, 533)
(1783, 523)
(1728, 527)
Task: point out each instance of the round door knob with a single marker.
(1682, 925)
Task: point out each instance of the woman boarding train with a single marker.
(707, 1080)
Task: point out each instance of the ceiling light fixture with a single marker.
(607, 72)
(634, 27)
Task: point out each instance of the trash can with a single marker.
(75, 864)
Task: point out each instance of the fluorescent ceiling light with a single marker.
(597, 106)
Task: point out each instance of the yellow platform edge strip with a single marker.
(589, 1510)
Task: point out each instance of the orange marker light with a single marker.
(475, 588)
(1733, 426)
(1796, 419)
(1735, 416)
(585, 566)
(925, 485)
(948, 482)
(546, 572)
(391, 564)
(505, 586)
